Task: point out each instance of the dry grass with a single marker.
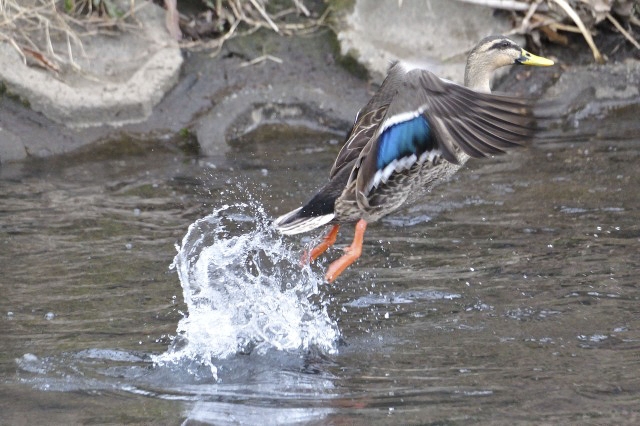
(48, 33)
(242, 17)
(46, 37)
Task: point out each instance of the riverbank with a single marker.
(310, 81)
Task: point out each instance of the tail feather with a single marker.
(318, 211)
(294, 223)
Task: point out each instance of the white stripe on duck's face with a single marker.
(497, 51)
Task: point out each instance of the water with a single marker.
(245, 292)
(509, 296)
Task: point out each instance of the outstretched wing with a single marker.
(430, 117)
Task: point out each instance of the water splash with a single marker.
(245, 291)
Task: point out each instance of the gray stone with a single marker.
(222, 98)
(583, 96)
(11, 147)
(436, 34)
(296, 103)
(617, 81)
(120, 80)
(218, 98)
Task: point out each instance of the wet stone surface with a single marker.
(216, 99)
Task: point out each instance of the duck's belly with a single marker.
(400, 190)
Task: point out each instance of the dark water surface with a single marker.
(510, 296)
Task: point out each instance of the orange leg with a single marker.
(327, 242)
(352, 254)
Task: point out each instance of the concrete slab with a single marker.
(11, 147)
(295, 103)
(217, 99)
(121, 78)
(435, 34)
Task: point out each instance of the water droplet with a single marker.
(29, 358)
(234, 269)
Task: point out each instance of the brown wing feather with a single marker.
(362, 132)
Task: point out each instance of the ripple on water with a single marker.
(401, 298)
(245, 292)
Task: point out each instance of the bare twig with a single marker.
(172, 19)
(253, 14)
(20, 52)
(265, 15)
(300, 6)
(551, 16)
(585, 32)
(260, 59)
(532, 9)
(623, 31)
(515, 5)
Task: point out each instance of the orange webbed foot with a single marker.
(352, 254)
(327, 242)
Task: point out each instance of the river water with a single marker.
(145, 286)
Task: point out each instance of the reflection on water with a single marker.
(509, 296)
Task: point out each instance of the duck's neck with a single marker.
(477, 76)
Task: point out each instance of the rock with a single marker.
(436, 35)
(120, 80)
(306, 88)
(219, 98)
(225, 97)
(616, 81)
(584, 96)
(313, 106)
(11, 147)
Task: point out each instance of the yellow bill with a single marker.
(527, 58)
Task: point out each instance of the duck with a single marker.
(414, 133)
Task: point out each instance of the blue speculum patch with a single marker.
(404, 139)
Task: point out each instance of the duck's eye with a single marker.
(502, 44)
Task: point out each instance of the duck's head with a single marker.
(492, 53)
